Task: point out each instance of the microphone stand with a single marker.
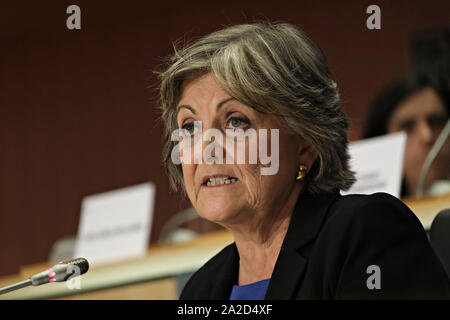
(60, 272)
(430, 158)
(16, 286)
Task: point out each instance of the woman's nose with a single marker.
(212, 146)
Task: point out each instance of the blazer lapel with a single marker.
(226, 276)
(306, 221)
(286, 275)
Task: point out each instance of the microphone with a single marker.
(440, 238)
(58, 273)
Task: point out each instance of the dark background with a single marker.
(78, 112)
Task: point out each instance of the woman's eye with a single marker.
(189, 127)
(237, 123)
(436, 122)
(407, 126)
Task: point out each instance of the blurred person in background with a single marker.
(419, 105)
(419, 108)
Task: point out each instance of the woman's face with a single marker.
(234, 193)
(422, 116)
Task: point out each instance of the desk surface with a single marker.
(427, 208)
(128, 279)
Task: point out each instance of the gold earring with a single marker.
(302, 170)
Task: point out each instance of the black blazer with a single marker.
(330, 244)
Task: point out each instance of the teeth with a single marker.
(221, 180)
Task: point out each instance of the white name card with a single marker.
(115, 225)
(378, 163)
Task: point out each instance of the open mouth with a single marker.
(218, 181)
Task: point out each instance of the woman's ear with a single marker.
(307, 154)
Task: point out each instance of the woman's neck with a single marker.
(259, 247)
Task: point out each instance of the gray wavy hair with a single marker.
(275, 69)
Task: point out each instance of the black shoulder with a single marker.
(379, 230)
(379, 210)
(215, 272)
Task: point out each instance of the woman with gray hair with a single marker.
(295, 236)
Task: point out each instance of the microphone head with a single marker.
(61, 271)
(81, 263)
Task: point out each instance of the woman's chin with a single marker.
(219, 211)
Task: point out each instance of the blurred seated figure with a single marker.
(421, 109)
